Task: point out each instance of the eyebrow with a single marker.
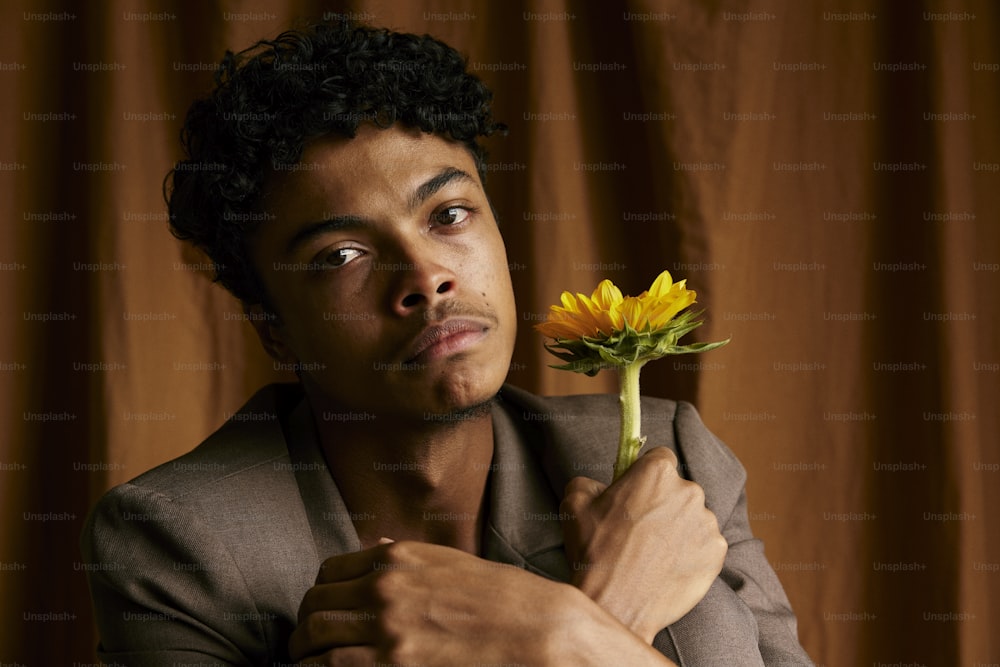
(336, 223)
(427, 189)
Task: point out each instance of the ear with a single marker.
(271, 333)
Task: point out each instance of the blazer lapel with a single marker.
(523, 526)
(330, 521)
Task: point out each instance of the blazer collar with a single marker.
(522, 526)
(330, 521)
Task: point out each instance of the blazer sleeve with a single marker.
(166, 592)
(745, 618)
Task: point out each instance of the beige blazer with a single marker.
(205, 559)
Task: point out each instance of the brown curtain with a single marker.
(827, 178)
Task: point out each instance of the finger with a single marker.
(344, 567)
(338, 595)
(658, 453)
(653, 463)
(653, 473)
(580, 491)
(346, 656)
(322, 631)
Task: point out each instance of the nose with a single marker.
(420, 285)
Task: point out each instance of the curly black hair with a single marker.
(273, 98)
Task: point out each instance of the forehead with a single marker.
(383, 161)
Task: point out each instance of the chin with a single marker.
(458, 386)
(461, 415)
(467, 389)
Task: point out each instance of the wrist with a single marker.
(577, 611)
(599, 638)
(603, 593)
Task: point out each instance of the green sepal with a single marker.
(590, 355)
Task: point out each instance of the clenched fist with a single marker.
(645, 548)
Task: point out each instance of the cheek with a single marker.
(498, 282)
(341, 325)
(499, 271)
(341, 344)
(318, 327)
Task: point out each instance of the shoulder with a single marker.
(250, 441)
(238, 481)
(170, 541)
(589, 420)
(578, 435)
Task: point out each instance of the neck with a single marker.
(411, 479)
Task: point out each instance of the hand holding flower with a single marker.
(622, 541)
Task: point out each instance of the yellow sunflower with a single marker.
(608, 329)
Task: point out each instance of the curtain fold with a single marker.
(826, 178)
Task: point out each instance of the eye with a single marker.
(340, 257)
(453, 215)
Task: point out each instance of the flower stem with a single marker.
(630, 439)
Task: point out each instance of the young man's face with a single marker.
(387, 269)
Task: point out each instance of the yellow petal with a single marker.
(632, 310)
(607, 294)
(591, 313)
(661, 286)
(559, 329)
(661, 313)
(589, 307)
(569, 302)
(615, 318)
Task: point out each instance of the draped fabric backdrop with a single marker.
(826, 177)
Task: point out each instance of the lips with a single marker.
(445, 338)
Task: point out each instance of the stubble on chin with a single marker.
(463, 415)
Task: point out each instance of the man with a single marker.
(401, 505)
